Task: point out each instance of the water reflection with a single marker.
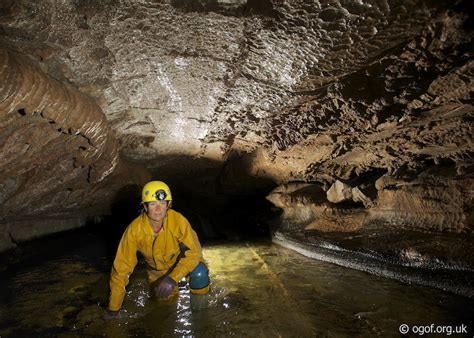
(258, 290)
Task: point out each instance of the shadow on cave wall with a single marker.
(219, 206)
(230, 8)
(125, 208)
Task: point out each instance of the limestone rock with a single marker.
(359, 196)
(305, 207)
(6, 242)
(21, 231)
(325, 92)
(426, 204)
(339, 192)
(296, 194)
(338, 221)
(59, 157)
(254, 93)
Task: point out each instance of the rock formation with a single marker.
(60, 161)
(242, 96)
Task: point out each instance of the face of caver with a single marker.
(157, 210)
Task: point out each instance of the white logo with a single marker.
(404, 329)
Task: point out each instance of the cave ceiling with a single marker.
(307, 91)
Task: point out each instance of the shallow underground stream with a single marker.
(259, 289)
(323, 150)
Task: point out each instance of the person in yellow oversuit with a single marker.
(169, 245)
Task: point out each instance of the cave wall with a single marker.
(260, 92)
(60, 163)
(207, 78)
(426, 203)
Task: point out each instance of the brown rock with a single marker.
(272, 93)
(426, 204)
(359, 196)
(336, 221)
(59, 156)
(339, 192)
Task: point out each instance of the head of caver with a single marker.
(156, 199)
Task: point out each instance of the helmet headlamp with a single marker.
(160, 195)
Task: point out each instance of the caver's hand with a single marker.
(165, 288)
(109, 314)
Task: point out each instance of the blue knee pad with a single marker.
(199, 278)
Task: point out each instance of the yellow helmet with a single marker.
(156, 191)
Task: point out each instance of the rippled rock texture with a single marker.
(279, 91)
(60, 161)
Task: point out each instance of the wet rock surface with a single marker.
(325, 90)
(431, 260)
(60, 162)
(406, 233)
(237, 97)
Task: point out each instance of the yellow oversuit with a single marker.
(160, 251)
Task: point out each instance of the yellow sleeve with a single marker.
(124, 264)
(192, 257)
